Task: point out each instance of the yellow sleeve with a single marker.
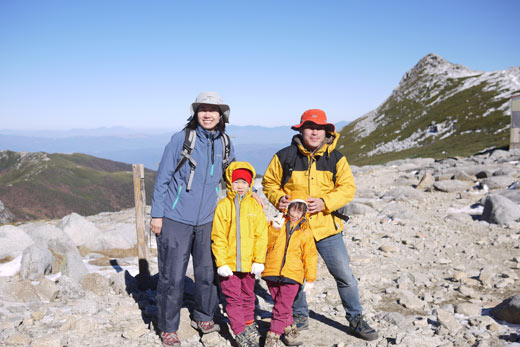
(310, 257)
(272, 235)
(260, 236)
(344, 190)
(219, 232)
(272, 181)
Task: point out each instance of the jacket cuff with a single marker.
(157, 212)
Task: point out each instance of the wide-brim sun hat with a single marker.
(315, 116)
(210, 98)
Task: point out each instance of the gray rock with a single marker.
(16, 290)
(13, 240)
(410, 300)
(47, 290)
(73, 266)
(5, 215)
(459, 217)
(51, 237)
(451, 186)
(36, 262)
(356, 208)
(513, 195)
(505, 171)
(426, 182)
(69, 289)
(500, 210)
(95, 283)
(468, 309)
(404, 194)
(462, 175)
(447, 320)
(81, 231)
(508, 310)
(51, 340)
(498, 182)
(397, 211)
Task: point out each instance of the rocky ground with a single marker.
(435, 247)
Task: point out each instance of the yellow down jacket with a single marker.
(325, 174)
(241, 244)
(295, 260)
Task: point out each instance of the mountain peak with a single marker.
(435, 65)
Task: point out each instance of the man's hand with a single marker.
(156, 226)
(258, 199)
(315, 205)
(284, 201)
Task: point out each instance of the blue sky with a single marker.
(89, 64)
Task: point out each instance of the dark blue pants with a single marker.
(174, 246)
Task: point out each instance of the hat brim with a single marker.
(329, 127)
(224, 109)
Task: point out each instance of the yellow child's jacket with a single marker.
(313, 174)
(251, 230)
(292, 261)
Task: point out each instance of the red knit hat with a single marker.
(244, 174)
(315, 116)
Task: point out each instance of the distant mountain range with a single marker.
(439, 109)
(255, 144)
(42, 186)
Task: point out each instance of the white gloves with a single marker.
(256, 269)
(224, 271)
(307, 287)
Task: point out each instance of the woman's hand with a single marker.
(156, 226)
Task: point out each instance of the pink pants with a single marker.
(283, 296)
(239, 290)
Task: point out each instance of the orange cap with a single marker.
(315, 116)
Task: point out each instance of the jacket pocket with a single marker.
(179, 191)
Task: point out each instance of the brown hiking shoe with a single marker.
(170, 339)
(273, 340)
(290, 336)
(205, 327)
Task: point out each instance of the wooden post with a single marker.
(140, 204)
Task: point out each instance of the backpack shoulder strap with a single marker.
(288, 161)
(226, 150)
(187, 147)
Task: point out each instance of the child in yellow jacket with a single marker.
(239, 246)
(291, 258)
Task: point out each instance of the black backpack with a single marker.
(190, 136)
(288, 167)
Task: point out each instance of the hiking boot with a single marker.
(273, 340)
(170, 339)
(302, 322)
(205, 327)
(361, 329)
(290, 336)
(253, 335)
(242, 340)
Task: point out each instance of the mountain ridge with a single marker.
(437, 109)
(41, 186)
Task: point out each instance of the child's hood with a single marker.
(234, 166)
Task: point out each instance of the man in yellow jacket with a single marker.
(313, 165)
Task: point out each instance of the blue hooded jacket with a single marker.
(170, 198)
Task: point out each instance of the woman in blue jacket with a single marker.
(184, 201)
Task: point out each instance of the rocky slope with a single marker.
(41, 185)
(435, 247)
(439, 109)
